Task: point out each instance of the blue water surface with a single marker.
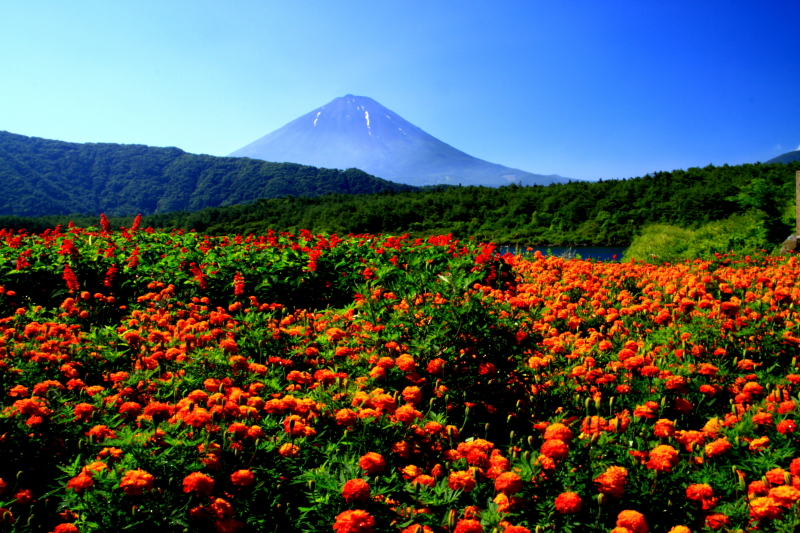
(599, 253)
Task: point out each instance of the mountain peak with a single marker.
(356, 131)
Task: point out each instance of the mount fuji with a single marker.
(356, 131)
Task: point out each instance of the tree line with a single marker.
(609, 212)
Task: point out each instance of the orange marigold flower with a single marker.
(158, 410)
(94, 468)
(289, 450)
(680, 529)
(757, 488)
(433, 428)
(794, 467)
(718, 447)
(23, 497)
(131, 409)
(786, 426)
(717, 521)
(759, 444)
(412, 395)
(555, 449)
(101, 432)
(424, 479)
(765, 508)
(508, 483)
(468, 526)
(373, 463)
(785, 495)
(664, 428)
(407, 414)
(135, 482)
(416, 528)
(346, 417)
(506, 504)
(406, 363)
(663, 458)
(335, 334)
(612, 482)
(221, 508)
(296, 427)
(243, 478)
(66, 528)
(776, 476)
(357, 521)
(410, 471)
(568, 503)
(558, 431)
(783, 408)
(356, 491)
(762, 419)
(594, 425)
(648, 410)
(461, 480)
(690, 438)
(18, 390)
(199, 483)
(699, 491)
(633, 520)
(80, 483)
(436, 366)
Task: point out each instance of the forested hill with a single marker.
(606, 212)
(47, 177)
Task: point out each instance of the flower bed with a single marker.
(157, 381)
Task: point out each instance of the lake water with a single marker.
(598, 253)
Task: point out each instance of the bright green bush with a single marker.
(740, 234)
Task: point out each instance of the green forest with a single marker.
(43, 177)
(752, 204)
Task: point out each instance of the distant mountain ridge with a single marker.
(788, 157)
(357, 131)
(47, 177)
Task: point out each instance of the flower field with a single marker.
(170, 382)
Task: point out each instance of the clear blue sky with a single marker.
(582, 88)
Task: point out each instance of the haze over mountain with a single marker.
(788, 157)
(356, 131)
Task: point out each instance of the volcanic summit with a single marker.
(358, 132)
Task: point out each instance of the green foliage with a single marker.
(740, 234)
(46, 177)
(602, 213)
(237, 195)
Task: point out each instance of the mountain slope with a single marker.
(46, 177)
(356, 131)
(788, 157)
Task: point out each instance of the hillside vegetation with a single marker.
(602, 213)
(740, 207)
(46, 177)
